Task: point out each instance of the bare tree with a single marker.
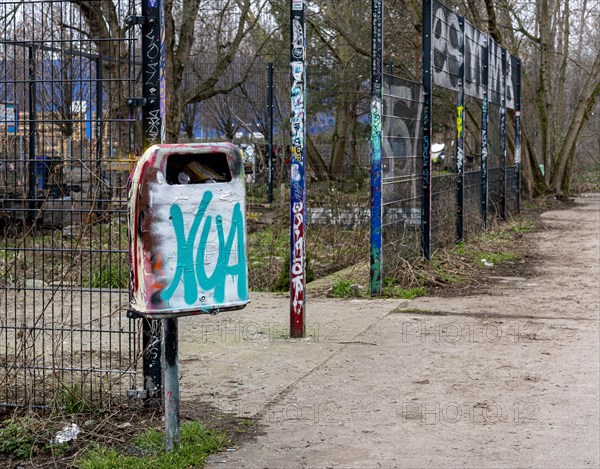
(225, 26)
(190, 118)
(561, 61)
(192, 27)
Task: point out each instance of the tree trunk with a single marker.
(585, 104)
(536, 183)
(545, 87)
(315, 161)
(339, 138)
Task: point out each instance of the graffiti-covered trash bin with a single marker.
(187, 229)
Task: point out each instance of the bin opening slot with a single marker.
(197, 168)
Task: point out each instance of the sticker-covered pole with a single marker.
(376, 136)
(152, 61)
(518, 134)
(503, 137)
(32, 130)
(99, 108)
(297, 169)
(484, 132)
(460, 136)
(152, 130)
(426, 143)
(99, 122)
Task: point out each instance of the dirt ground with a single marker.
(501, 372)
(504, 377)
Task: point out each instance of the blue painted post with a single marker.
(484, 133)
(297, 160)
(376, 140)
(426, 122)
(460, 135)
(503, 137)
(517, 70)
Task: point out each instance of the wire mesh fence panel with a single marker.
(495, 169)
(65, 156)
(473, 219)
(337, 153)
(495, 187)
(472, 210)
(443, 210)
(512, 173)
(402, 168)
(512, 193)
(444, 193)
(241, 115)
(495, 157)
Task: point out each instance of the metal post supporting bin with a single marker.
(187, 229)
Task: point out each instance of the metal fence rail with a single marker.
(65, 154)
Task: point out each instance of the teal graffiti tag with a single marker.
(216, 281)
(185, 251)
(192, 268)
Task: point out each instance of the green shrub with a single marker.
(343, 289)
(72, 400)
(19, 438)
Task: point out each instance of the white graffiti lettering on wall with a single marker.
(446, 41)
(475, 44)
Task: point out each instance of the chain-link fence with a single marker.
(68, 141)
(67, 146)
